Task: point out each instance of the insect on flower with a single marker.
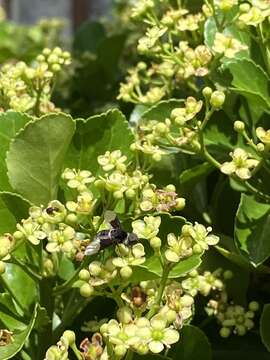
(114, 236)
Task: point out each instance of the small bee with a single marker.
(106, 238)
(51, 210)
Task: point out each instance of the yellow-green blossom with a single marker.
(241, 164)
(146, 228)
(227, 45)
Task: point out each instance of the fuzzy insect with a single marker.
(114, 236)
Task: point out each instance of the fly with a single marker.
(106, 238)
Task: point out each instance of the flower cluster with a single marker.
(28, 88)
(233, 318)
(227, 45)
(203, 283)
(193, 240)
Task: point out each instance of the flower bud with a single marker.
(217, 99)
(239, 126)
(2, 267)
(207, 92)
(99, 184)
(170, 187)
(71, 218)
(240, 330)
(197, 249)
(126, 272)
(171, 316)
(118, 195)
(244, 8)
(18, 235)
(95, 268)
(124, 315)
(84, 275)
(156, 157)
(70, 336)
(224, 332)
(180, 203)
(260, 147)
(161, 128)
(86, 290)
(120, 350)
(228, 274)
(155, 243)
(130, 193)
(253, 306)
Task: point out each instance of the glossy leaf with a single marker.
(162, 110)
(10, 123)
(265, 326)
(96, 135)
(20, 337)
(36, 155)
(194, 174)
(252, 228)
(193, 345)
(88, 36)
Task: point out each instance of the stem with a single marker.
(166, 270)
(67, 284)
(129, 355)
(77, 353)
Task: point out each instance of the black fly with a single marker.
(116, 235)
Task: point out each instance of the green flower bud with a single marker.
(120, 350)
(118, 195)
(156, 157)
(86, 290)
(180, 203)
(197, 249)
(228, 274)
(95, 268)
(239, 126)
(217, 99)
(170, 187)
(244, 8)
(249, 324)
(207, 92)
(2, 267)
(260, 147)
(56, 68)
(70, 336)
(130, 194)
(161, 128)
(124, 315)
(171, 316)
(241, 330)
(103, 329)
(224, 332)
(18, 235)
(155, 243)
(84, 275)
(72, 219)
(253, 306)
(99, 184)
(141, 65)
(126, 272)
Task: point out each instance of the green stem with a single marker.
(129, 355)
(166, 270)
(67, 284)
(77, 353)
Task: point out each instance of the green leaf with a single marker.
(36, 156)
(193, 175)
(16, 204)
(265, 326)
(96, 135)
(89, 36)
(22, 288)
(193, 345)
(162, 110)
(10, 123)
(20, 337)
(244, 71)
(153, 265)
(252, 228)
(9, 316)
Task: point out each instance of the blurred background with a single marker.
(74, 11)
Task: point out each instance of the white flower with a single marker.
(77, 179)
(178, 247)
(227, 45)
(146, 228)
(112, 160)
(240, 165)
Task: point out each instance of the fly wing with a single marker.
(93, 248)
